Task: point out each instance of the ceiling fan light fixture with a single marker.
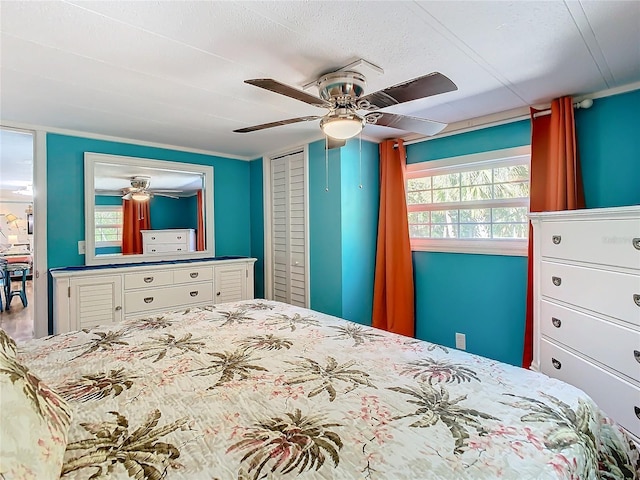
(342, 127)
(140, 196)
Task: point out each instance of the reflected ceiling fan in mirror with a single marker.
(341, 93)
(140, 190)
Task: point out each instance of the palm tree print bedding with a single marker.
(263, 390)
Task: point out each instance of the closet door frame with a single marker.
(268, 232)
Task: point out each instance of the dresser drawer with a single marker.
(610, 344)
(610, 293)
(193, 274)
(153, 279)
(607, 242)
(167, 297)
(619, 399)
(150, 237)
(165, 247)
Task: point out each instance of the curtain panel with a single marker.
(135, 217)
(556, 183)
(393, 298)
(200, 233)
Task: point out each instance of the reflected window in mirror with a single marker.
(162, 196)
(108, 225)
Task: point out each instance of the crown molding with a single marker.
(110, 138)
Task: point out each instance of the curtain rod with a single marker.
(586, 103)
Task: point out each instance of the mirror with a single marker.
(143, 210)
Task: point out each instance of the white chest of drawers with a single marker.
(84, 298)
(164, 241)
(587, 305)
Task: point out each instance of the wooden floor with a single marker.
(18, 320)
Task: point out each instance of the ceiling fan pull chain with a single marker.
(326, 163)
(360, 154)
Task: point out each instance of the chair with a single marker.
(4, 280)
(20, 269)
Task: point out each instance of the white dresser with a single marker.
(84, 298)
(174, 240)
(587, 305)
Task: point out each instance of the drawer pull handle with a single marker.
(556, 239)
(636, 355)
(636, 299)
(193, 274)
(636, 243)
(148, 299)
(556, 281)
(637, 410)
(556, 364)
(556, 322)
(194, 293)
(179, 238)
(148, 279)
(118, 308)
(218, 294)
(153, 238)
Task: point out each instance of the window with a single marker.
(108, 226)
(471, 204)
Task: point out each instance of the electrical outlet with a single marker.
(461, 341)
(81, 247)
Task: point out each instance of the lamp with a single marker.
(342, 124)
(140, 196)
(10, 217)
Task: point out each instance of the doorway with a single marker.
(17, 240)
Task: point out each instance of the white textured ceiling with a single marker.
(172, 71)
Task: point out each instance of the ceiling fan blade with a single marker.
(175, 197)
(127, 196)
(275, 124)
(403, 122)
(335, 143)
(277, 87)
(421, 87)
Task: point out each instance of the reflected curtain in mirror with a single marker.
(136, 217)
(200, 233)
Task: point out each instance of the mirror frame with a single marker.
(90, 161)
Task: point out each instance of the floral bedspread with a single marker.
(264, 390)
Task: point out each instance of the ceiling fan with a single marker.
(140, 192)
(341, 92)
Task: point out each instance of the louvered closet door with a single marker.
(288, 227)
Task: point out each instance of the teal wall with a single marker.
(168, 212)
(454, 292)
(256, 190)
(65, 194)
(342, 229)
(609, 145)
(325, 259)
(459, 292)
(359, 224)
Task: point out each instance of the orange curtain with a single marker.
(556, 182)
(135, 217)
(393, 306)
(200, 230)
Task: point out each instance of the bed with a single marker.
(264, 390)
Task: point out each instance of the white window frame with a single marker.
(109, 208)
(491, 159)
